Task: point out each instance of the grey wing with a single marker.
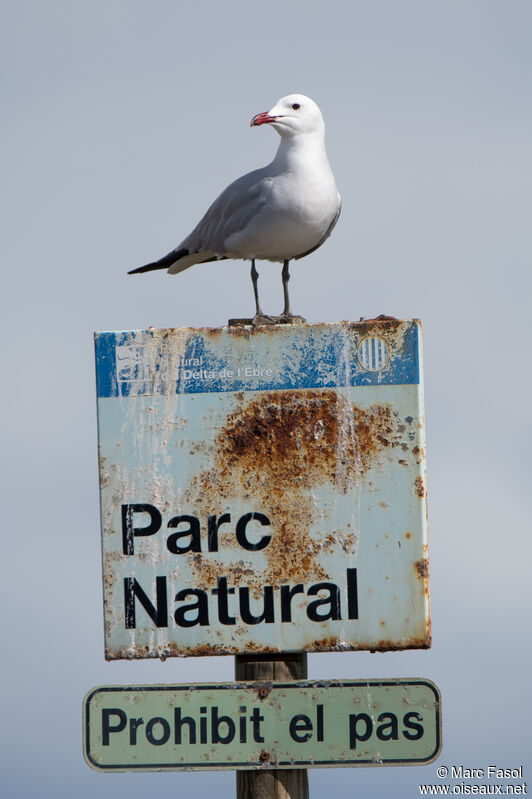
(326, 234)
(230, 213)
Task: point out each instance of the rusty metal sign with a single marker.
(263, 490)
(262, 725)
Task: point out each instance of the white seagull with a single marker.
(284, 211)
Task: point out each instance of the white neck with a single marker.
(296, 152)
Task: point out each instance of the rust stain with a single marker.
(208, 571)
(176, 650)
(327, 644)
(263, 690)
(379, 324)
(295, 436)
(422, 568)
(428, 632)
(419, 486)
(385, 645)
(272, 451)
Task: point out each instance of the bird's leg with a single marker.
(254, 280)
(286, 278)
(259, 318)
(287, 316)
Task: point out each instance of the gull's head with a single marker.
(292, 115)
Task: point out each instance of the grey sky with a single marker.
(122, 122)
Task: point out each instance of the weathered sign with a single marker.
(263, 490)
(262, 725)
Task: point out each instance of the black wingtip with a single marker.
(162, 263)
(146, 268)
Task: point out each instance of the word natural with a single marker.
(228, 604)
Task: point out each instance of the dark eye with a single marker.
(296, 106)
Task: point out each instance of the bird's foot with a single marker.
(263, 319)
(290, 319)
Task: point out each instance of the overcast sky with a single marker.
(122, 122)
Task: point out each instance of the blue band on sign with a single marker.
(206, 360)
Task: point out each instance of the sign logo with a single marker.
(373, 353)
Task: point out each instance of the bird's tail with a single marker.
(176, 261)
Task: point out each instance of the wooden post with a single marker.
(271, 783)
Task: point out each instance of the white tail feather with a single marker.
(189, 260)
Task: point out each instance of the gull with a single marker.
(281, 212)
